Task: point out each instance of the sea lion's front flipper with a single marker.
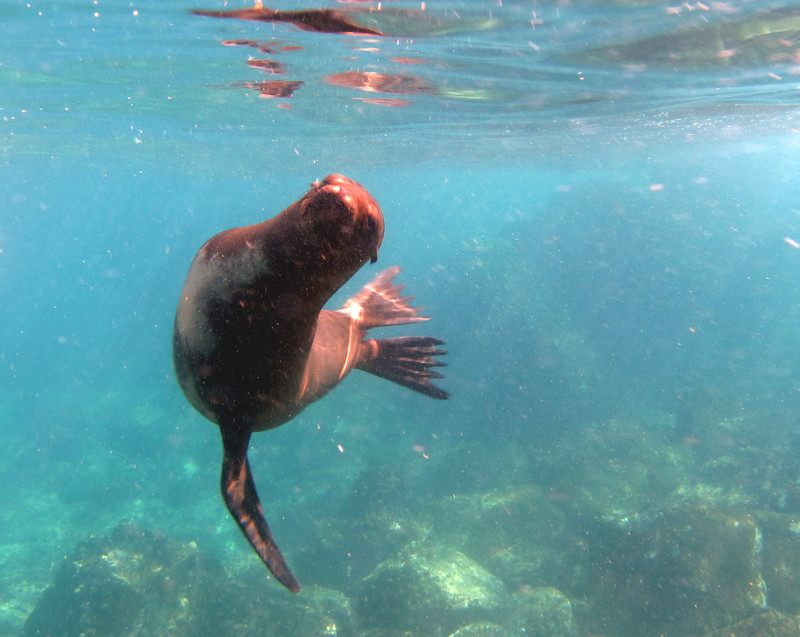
(406, 361)
(239, 493)
(380, 303)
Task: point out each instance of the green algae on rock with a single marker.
(430, 589)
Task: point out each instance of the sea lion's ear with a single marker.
(374, 257)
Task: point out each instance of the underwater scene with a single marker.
(595, 204)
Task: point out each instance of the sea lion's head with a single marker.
(344, 220)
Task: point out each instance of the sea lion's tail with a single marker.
(239, 492)
(406, 361)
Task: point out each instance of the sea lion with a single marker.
(253, 347)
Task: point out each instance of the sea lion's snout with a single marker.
(355, 197)
(364, 211)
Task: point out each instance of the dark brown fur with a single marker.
(253, 346)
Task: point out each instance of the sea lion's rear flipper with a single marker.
(406, 361)
(239, 493)
(379, 303)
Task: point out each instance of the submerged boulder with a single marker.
(519, 533)
(684, 572)
(315, 612)
(137, 582)
(542, 612)
(482, 629)
(133, 582)
(375, 521)
(770, 623)
(430, 590)
(781, 560)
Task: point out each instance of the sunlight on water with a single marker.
(500, 79)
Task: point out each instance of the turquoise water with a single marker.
(596, 203)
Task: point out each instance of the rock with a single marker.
(25, 577)
(505, 516)
(542, 612)
(752, 474)
(315, 612)
(139, 583)
(429, 589)
(134, 582)
(482, 629)
(698, 410)
(770, 623)
(375, 521)
(617, 468)
(781, 559)
(519, 534)
(688, 570)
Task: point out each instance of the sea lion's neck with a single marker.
(304, 252)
